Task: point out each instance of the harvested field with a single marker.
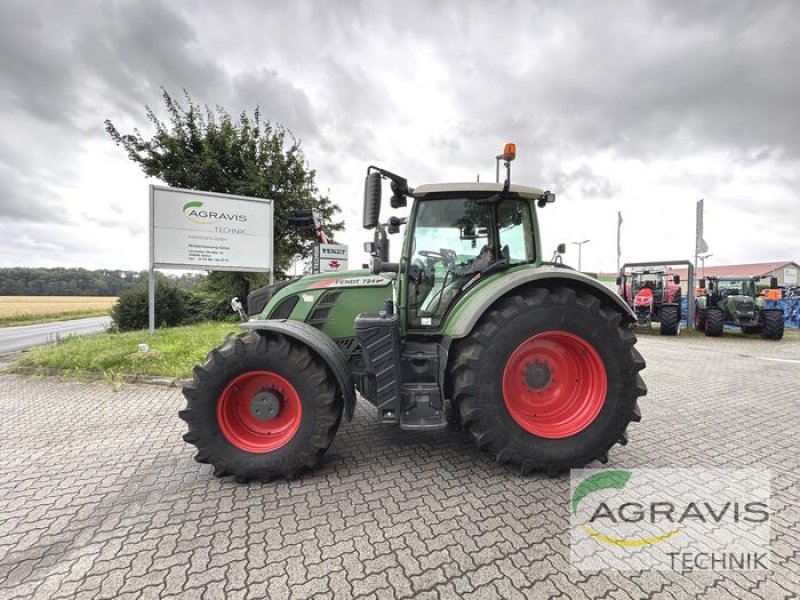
(16, 310)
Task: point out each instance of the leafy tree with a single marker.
(201, 149)
(204, 150)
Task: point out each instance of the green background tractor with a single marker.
(733, 301)
(534, 359)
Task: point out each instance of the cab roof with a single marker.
(523, 191)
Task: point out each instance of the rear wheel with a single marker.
(772, 324)
(548, 380)
(260, 407)
(670, 319)
(715, 321)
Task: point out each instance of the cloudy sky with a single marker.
(639, 107)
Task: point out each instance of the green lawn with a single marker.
(173, 352)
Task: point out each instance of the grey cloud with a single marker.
(278, 100)
(134, 49)
(36, 75)
(583, 180)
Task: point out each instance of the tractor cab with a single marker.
(457, 235)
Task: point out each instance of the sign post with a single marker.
(205, 230)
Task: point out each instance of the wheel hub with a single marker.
(538, 376)
(265, 405)
(259, 411)
(554, 384)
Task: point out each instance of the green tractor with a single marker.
(733, 301)
(535, 360)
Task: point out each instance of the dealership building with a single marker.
(785, 271)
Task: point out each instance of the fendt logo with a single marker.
(196, 214)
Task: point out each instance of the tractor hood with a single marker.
(328, 301)
(742, 306)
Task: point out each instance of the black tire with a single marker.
(772, 324)
(287, 358)
(700, 318)
(715, 321)
(670, 319)
(477, 373)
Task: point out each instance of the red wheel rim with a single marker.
(554, 384)
(259, 411)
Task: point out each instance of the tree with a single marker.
(201, 149)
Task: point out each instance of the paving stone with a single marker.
(100, 497)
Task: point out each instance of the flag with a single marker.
(700, 246)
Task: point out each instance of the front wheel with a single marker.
(548, 379)
(261, 406)
(670, 319)
(772, 324)
(715, 321)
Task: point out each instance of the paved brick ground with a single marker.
(99, 497)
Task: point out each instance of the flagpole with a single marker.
(619, 228)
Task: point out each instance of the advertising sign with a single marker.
(203, 230)
(329, 258)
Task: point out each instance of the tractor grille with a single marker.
(323, 308)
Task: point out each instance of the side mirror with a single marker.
(399, 191)
(702, 284)
(545, 199)
(619, 281)
(394, 225)
(773, 283)
(676, 279)
(372, 200)
(561, 248)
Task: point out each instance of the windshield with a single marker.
(736, 287)
(452, 242)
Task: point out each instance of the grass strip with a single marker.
(172, 352)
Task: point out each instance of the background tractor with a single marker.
(733, 301)
(534, 359)
(655, 296)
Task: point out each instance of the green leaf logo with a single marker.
(599, 481)
(192, 204)
(612, 480)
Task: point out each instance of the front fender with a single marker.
(470, 309)
(321, 345)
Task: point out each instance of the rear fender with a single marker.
(321, 345)
(470, 309)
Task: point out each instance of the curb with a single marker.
(97, 376)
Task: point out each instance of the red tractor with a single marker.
(655, 296)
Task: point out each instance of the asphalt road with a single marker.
(14, 339)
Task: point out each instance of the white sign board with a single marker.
(789, 276)
(203, 230)
(330, 258)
